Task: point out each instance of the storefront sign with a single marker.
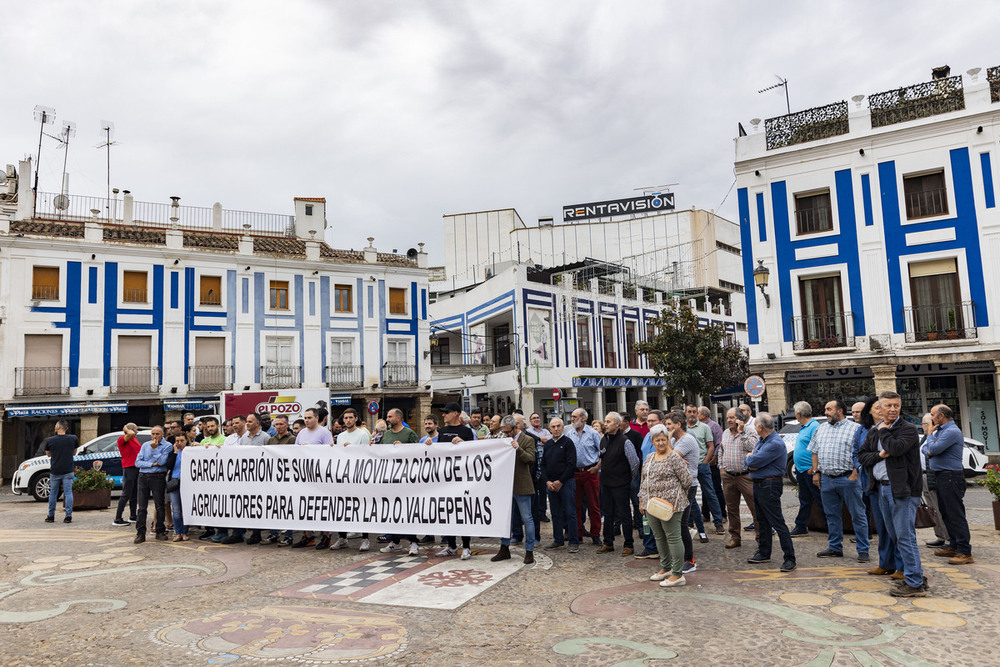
(291, 403)
(460, 489)
(983, 419)
(902, 370)
(188, 405)
(56, 409)
(645, 204)
(340, 399)
(618, 382)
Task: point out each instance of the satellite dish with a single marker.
(61, 202)
(412, 253)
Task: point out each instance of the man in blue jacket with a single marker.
(809, 493)
(152, 465)
(767, 469)
(944, 449)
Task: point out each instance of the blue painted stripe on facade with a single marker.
(786, 260)
(371, 302)
(231, 315)
(746, 244)
(312, 298)
(74, 296)
(92, 285)
(246, 296)
(382, 327)
(987, 166)
(158, 287)
(761, 219)
(110, 301)
(360, 330)
(324, 316)
(484, 315)
(174, 288)
(299, 321)
(866, 198)
(423, 304)
(848, 245)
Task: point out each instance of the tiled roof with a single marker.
(319, 199)
(391, 258)
(139, 235)
(326, 252)
(211, 241)
(43, 228)
(273, 245)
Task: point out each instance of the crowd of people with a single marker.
(634, 479)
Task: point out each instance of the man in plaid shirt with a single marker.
(737, 443)
(835, 471)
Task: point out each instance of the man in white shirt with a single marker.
(352, 435)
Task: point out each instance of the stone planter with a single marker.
(98, 499)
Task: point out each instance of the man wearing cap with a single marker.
(455, 432)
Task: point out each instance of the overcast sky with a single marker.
(400, 112)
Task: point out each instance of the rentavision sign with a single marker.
(645, 204)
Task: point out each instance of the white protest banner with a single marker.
(438, 489)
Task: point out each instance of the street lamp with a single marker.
(760, 278)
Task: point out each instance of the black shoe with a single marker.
(50, 519)
(139, 538)
(555, 545)
(529, 557)
(285, 542)
(597, 540)
(120, 522)
(545, 519)
(864, 558)
(935, 544)
(68, 519)
(323, 544)
(162, 537)
(254, 539)
(830, 553)
(799, 533)
(502, 554)
(426, 539)
(306, 541)
(207, 534)
(750, 528)
(757, 558)
(788, 565)
(231, 539)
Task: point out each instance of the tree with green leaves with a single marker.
(693, 360)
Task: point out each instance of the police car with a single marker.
(32, 476)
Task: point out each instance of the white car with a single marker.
(974, 457)
(32, 476)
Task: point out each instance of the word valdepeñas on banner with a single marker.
(439, 489)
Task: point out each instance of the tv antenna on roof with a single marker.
(44, 116)
(108, 130)
(61, 201)
(782, 83)
(656, 189)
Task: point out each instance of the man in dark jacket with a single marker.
(900, 486)
(560, 471)
(524, 490)
(619, 464)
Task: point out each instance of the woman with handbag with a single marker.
(663, 496)
(174, 487)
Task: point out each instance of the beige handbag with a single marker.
(660, 508)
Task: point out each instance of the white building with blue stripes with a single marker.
(153, 310)
(520, 310)
(876, 225)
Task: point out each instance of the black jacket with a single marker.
(901, 442)
(559, 460)
(868, 457)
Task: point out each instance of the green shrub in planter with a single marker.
(91, 479)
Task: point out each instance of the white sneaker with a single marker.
(341, 543)
(447, 551)
(353, 536)
(466, 554)
(365, 546)
(414, 549)
(391, 548)
(659, 576)
(666, 583)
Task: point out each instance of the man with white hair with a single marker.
(767, 470)
(809, 495)
(639, 424)
(618, 465)
(588, 488)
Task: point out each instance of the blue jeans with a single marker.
(521, 512)
(767, 498)
(708, 493)
(809, 494)
(835, 492)
(66, 483)
(175, 508)
(563, 504)
(903, 512)
(694, 513)
(888, 555)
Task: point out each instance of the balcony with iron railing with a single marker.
(344, 376)
(280, 377)
(399, 375)
(921, 100)
(135, 379)
(135, 295)
(828, 331)
(210, 378)
(210, 299)
(993, 77)
(50, 206)
(809, 125)
(44, 293)
(940, 321)
(41, 381)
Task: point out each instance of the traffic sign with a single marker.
(556, 394)
(754, 386)
(373, 408)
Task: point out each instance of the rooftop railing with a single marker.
(921, 100)
(809, 125)
(79, 208)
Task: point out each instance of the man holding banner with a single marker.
(455, 432)
(524, 490)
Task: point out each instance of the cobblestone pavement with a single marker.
(83, 594)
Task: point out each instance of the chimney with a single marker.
(421, 256)
(25, 198)
(216, 217)
(128, 207)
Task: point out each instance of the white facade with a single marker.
(877, 222)
(103, 317)
(512, 331)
